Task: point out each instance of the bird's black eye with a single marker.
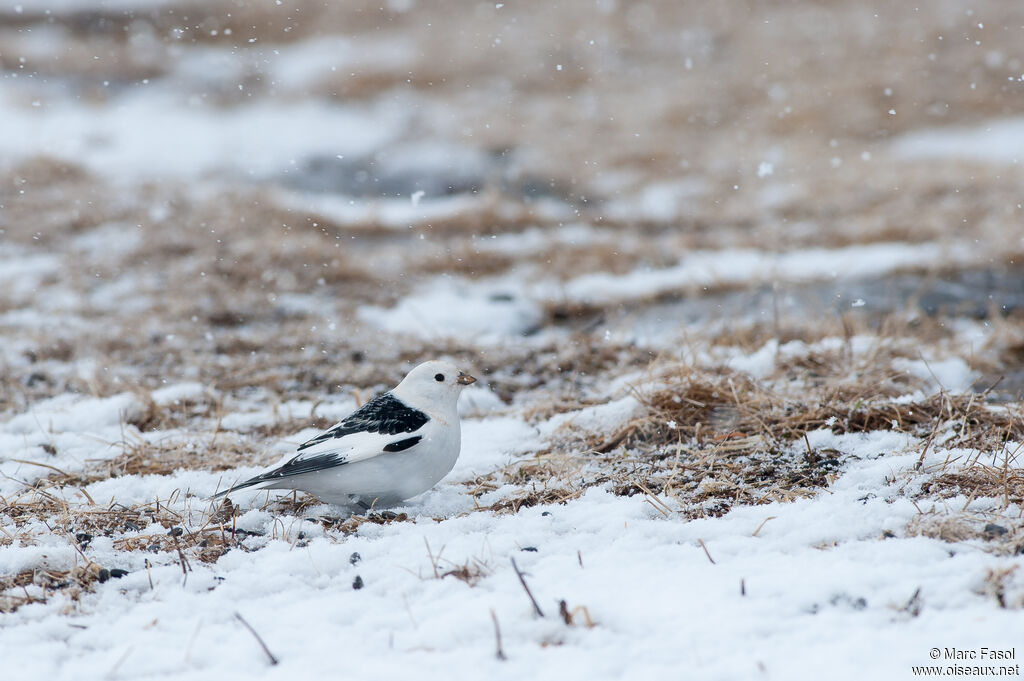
(439, 378)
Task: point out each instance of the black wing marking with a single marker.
(306, 464)
(402, 445)
(384, 414)
(294, 467)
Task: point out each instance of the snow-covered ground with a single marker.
(742, 287)
(780, 590)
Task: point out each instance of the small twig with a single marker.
(771, 517)
(85, 494)
(579, 557)
(185, 567)
(743, 587)
(433, 561)
(569, 616)
(522, 581)
(614, 442)
(582, 609)
(273, 660)
(41, 465)
(928, 442)
(191, 641)
(706, 552)
(653, 500)
(913, 606)
(119, 662)
(500, 654)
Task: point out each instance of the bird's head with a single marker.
(433, 382)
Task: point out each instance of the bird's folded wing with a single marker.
(345, 450)
(384, 414)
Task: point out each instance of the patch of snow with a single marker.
(535, 240)
(109, 239)
(63, 433)
(487, 443)
(334, 409)
(68, 413)
(243, 421)
(306, 63)
(174, 394)
(661, 202)
(759, 363)
(54, 555)
(1000, 141)
(479, 400)
(22, 271)
(951, 374)
(598, 418)
(448, 308)
(397, 213)
(730, 267)
(158, 136)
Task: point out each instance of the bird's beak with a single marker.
(465, 379)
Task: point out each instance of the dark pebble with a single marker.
(103, 575)
(247, 533)
(546, 513)
(992, 530)
(118, 573)
(355, 557)
(388, 515)
(357, 583)
(83, 538)
(176, 531)
(302, 535)
(531, 549)
(131, 527)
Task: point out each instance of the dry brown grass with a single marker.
(711, 439)
(708, 405)
(1000, 478)
(993, 531)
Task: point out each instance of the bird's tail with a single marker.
(257, 483)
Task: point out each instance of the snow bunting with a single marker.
(395, 446)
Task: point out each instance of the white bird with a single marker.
(397, 445)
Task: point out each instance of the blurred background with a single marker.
(294, 193)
